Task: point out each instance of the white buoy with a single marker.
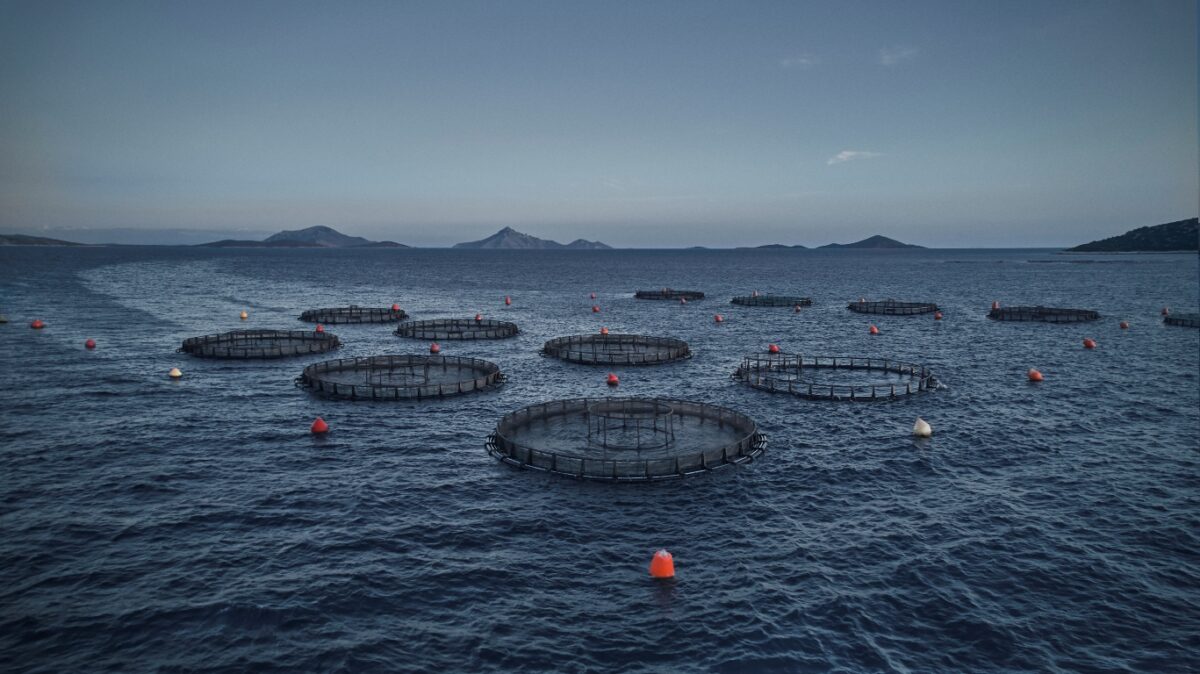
(174, 373)
(922, 429)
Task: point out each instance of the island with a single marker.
(1178, 236)
(510, 239)
(877, 242)
(26, 240)
(319, 236)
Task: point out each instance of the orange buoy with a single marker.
(595, 309)
(395, 307)
(478, 317)
(662, 565)
(1089, 343)
(718, 318)
(244, 315)
(1166, 311)
(995, 305)
(1124, 325)
(593, 296)
(1034, 374)
(937, 315)
(37, 324)
(613, 380)
(435, 348)
(773, 348)
(319, 426)
(874, 330)
(603, 330)
(90, 344)
(174, 373)
(507, 301)
(320, 328)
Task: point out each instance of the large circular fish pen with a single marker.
(253, 344)
(892, 307)
(617, 349)
(625, 439)
(401, 377)
(835, 377)
(353, 314)
(668, 294)
(457, 328)
(772, 301)
(1042, 314)
(1185, 320)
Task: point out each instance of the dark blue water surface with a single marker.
(196, 525)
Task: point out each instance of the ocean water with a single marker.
(196, 525)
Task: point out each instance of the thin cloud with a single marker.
(801, 62)
(851, 155)
(890, 56)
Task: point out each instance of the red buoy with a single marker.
(796, 308)
(718, 318)
(937, 315)
(593, 296)
(319, 426)
(662, 565)
(1034, 375)
(595, 309)
(612, 379)
(90, 344)
(1089, 343)
(320, 328)
(773, 348)
(37, 324)
(995, 305)
(395, 307)
(874, 330)
(435, 348)
(754, 294)
(1166, 311)
(478, 317)
(507, 300)
(603, 330)
(1124, 325)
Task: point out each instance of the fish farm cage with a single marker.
(839, 378)
(253, 344)
(353, 314)
(1186, 320)
(614, 349)
(625, 439)
(892, 307)
(1042, 314)
(402, 377)
(669, 294)
(457, 328)
(772, 301)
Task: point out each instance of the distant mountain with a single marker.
(875, 242)
(780, 246)
(1172, 236)
(310, 237)
(510, 239)
(26, 240)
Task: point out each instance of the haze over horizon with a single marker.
(641, 125)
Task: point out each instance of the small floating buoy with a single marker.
(507, 301)
(683, 300)
(319, 426)
(603, 330)
(1166, 311)
(662, 565)
(1034, 374)
(937, 315)
(90, 344)
(612, 379)
(478, 317)
(37, 324)
(1124, 325)
(595, 309)
(796, 308)
(435, 348)
(922, 429)
(862, 300)
(874, 330)
(244, 315)
(593, 296)
(395, 307)
(320, 328)
(773, 348)
(995, 305)
(174, 373)
(1089, 343)
(718, 318)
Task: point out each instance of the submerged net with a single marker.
(1186, 320)
(457, 328)
(399, 377)
(1042, 314)
(251, 344)
(773, 301)
(625, 439)
(892, 307)
(835, 377)
(353, 314)
(617, 349)
(669, 294)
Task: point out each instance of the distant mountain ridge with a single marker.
(877, 242)
(510, 239)
(318, 236)
(1181, 235)
(26, 240)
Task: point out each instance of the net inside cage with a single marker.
(254, 344)
(617, 349)
(892, 307)
(457, 328)
(399, 377)
(773, 301)
(1043, 314)
(668, 294)
(845, 378)
(353, 314)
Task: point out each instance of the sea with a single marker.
(196, 525)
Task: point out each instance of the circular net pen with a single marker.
(253, 344)
(457, 328)
(1042, 314)
(399, 377)
(354, 314)
(617, 349)
(839, 378)
(892, 308)
(1185, 320)
(772, 301)
(625, 439)
(669, 294)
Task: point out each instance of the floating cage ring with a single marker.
(457, 328)
(255, 344)
(617, 349)
(400, 377)
(668, 294)
(353, 314)
(1185, 320)
(892, 307)
(625, 439)
(1042, 314)
(772, 301)
(816, 377)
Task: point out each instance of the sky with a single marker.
(643, 124)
